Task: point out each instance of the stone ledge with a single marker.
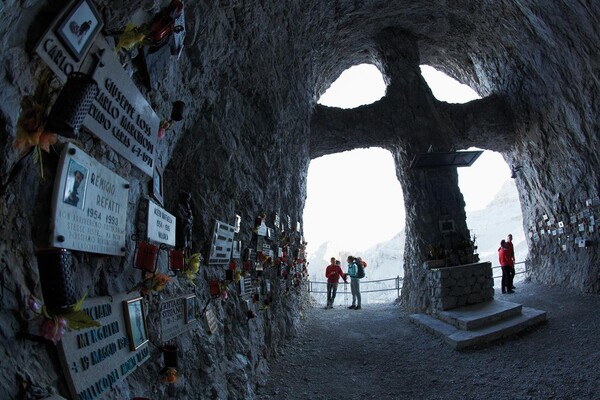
(461, 339)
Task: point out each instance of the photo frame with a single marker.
(190, 308)
(78, 30)
(135, 322)
(75, 184)
(156, 185)
(446, 225)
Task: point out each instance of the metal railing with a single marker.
(320, 287)
(518, 271)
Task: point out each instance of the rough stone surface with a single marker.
(250, 74)
(377, 353)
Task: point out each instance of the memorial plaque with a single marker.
(177, 316)
(160, 225)
(236, 252)
(120, 115)
(89, 205)
(238, 223)
(245, 286)
(262, 229)
(211, 320)
(61, 49)
(96, 358)
(222, 244)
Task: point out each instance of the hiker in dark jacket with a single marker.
(354, 283)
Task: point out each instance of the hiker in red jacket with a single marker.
(333, 272)
(504, 256)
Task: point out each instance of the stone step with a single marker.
(479, 315)
(461, 339)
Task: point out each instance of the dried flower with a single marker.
(169, 375)
(53, 329)
(155, 282)
(31, 123)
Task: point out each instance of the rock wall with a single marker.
(250, 74)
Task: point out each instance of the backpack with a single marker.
(360, 269)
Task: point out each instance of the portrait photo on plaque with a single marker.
(156, 185)
(75, 185)
(135, 322)
(190, 309)
(78, 30)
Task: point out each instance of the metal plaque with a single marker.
(245, 286)
(222, 244)
(94, 359)
(177, 316)
(236, 252)
(449, 159)
(161, 224)
(89, 205)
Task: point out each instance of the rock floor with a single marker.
(376, 353)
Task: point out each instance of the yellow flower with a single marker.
(131, 37)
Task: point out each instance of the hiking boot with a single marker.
(352, 307)
(357, 308)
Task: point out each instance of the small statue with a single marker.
(185, 221)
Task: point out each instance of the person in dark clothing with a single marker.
(333, 272)
(354, 282)
(505, 263)
(511, 255)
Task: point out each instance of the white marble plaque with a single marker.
(89, 205)
(120, 115)
(222, 244)
(161, 224)
(94, 359)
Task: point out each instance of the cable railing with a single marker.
(518, 270)
(383, 285)
(320, 287)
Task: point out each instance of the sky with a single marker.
(354, 198)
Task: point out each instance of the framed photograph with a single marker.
(156, 185)
(135, 322)
(75, 184)
(190, 309)
(78, 30)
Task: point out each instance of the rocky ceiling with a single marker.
(251, 73)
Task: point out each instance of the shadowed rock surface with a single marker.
(377, 353)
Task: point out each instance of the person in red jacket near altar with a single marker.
(504, 257)
(333, 272)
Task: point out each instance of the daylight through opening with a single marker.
(358, 85)
(354, 206)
